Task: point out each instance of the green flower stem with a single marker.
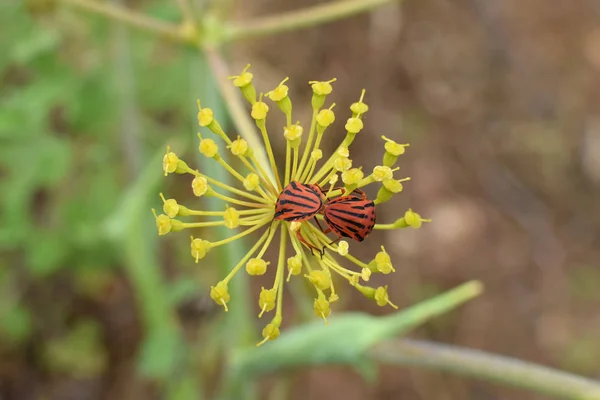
(237, 110)
(127, 17)
(304, 18)
(485, 366)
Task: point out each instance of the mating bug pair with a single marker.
(350, 216)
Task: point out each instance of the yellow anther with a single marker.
(280, 92)
(381, 173)
(352, 176)
(199, 248)
(220, 294)
(394, 148)
(271, 331)
(163, 223)
(292, 132)
(295, 226)
(199, 186)
(251, 182)
(333, 180)
(294, 265)
(259, 110)
(343, 152)
(342, 248)
(208, 148)
(365, 274)
(266, 300)
(413, 219)
(231, 217)
(243, 79)
(321, 306)
(205, 116)
(325, 117)
(383, 262)
(354, 125)
(170, 206)
(359, 108)
(316, 154)
(342, 164)
(381, 297)
(170, 162)
(239, 147)
(322, 88)
(256, 266)
(393, 185)
(320, 279)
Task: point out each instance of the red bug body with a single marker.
(350, 216)
(299, 202)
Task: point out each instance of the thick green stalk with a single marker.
(485, 366)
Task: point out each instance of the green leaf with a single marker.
(347, 337)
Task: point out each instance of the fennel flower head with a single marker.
(308, 206)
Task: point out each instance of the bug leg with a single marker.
(312, 247)
(320, 227)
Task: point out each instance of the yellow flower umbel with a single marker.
(250, 205)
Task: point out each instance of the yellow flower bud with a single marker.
(321, 306)
(342, 164)
(170, 161)
(325, 118)
(359, 107)
(295, 226)
(354, 125)
(231, 217)
(383, 262)
(394, 148)
(170, 207)
(316, 154)
(266, 300)
(239, 147)
(271, 331)
(293, 132)
(259, 110)
(251, 182)
(199, 248)
(294, 265)
(256, 266)
(392, 151)
(413, 219)
(343, 248)
(205, 116)
(163, 223)
(322, 88)
(381, 297)
(280, 92)
(208, 148)
(220, 294)
(381, 173)
(352, 176)
(343, 152)
(365, 274)
(393, 185)
(200, 186)
(320, 91)
(243, 79)
(321, 279)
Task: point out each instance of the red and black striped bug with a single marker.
(299, 202)
(350, 216)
